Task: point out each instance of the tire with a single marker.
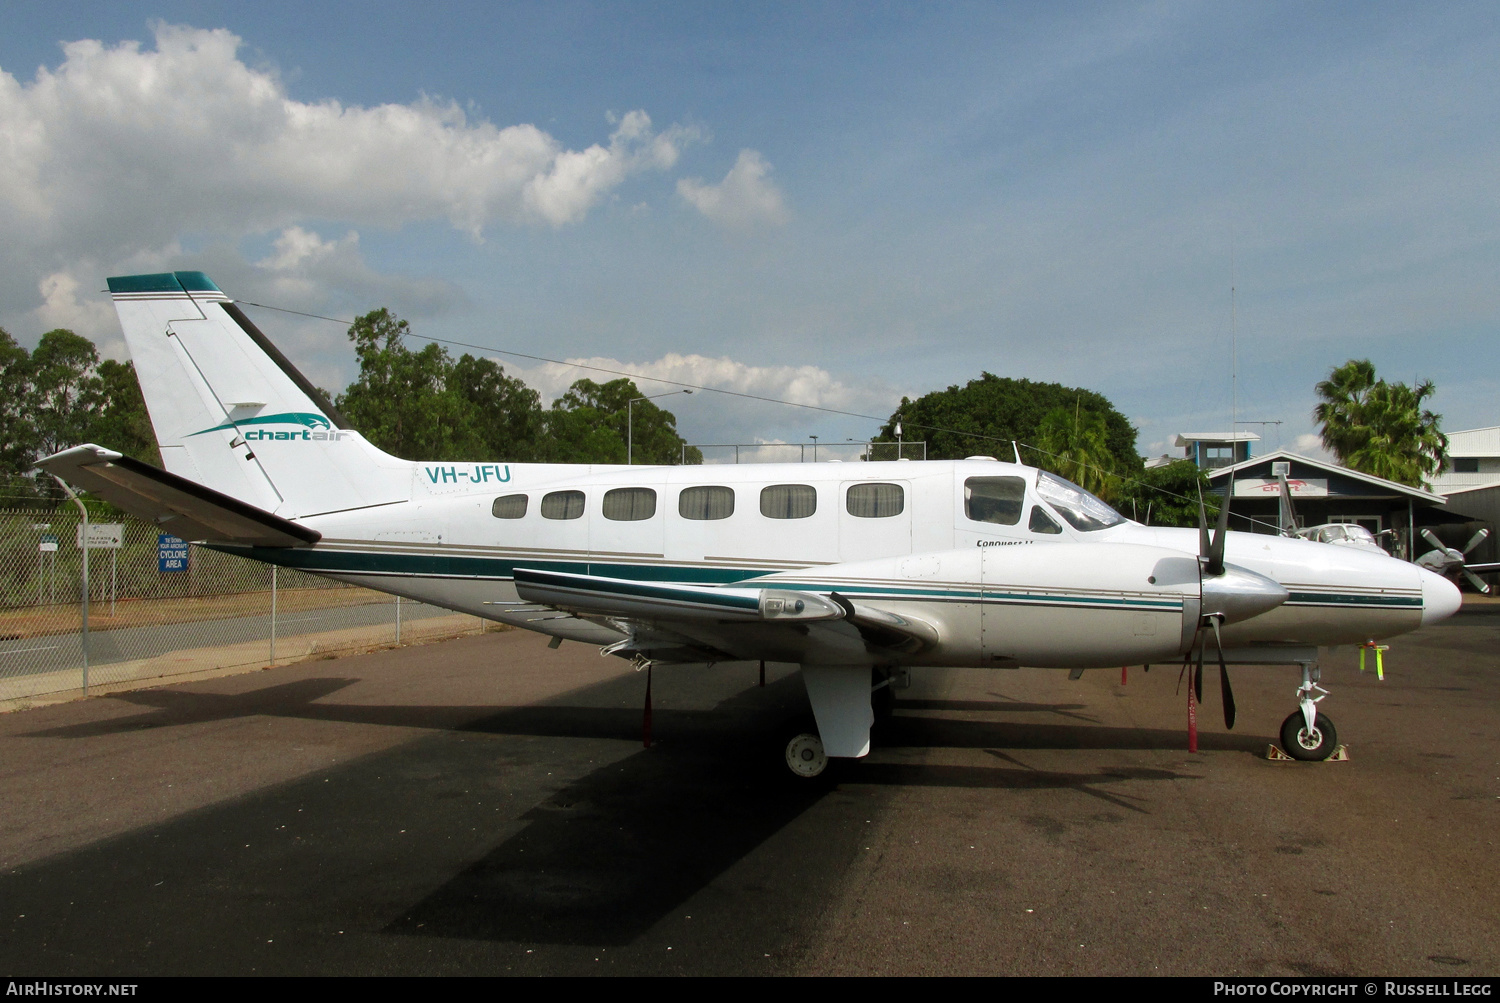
(1310, 749)
(805, 756)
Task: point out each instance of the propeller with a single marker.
(1211, 564)
(1452, 562)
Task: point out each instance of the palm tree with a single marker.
(1075, 445)
(1381, 428)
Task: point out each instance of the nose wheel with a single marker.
(1306, 734)
(805, 756)
(1310, 745)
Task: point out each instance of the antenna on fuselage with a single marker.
(1018, 452)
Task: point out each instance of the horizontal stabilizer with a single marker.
(179, 506)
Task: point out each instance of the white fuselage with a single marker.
(446, 546)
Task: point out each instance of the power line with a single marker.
(733, 393)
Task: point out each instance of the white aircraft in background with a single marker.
(857, 572)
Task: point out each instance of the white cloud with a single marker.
(797, 384)
(63, 307)
(714, 417)
(1311, 445)
(746, 197)
(119, 151)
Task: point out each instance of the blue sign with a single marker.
(171, 553)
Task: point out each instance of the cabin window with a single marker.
(706, 503)
(994, 499)
(509, 507)
(788, 501)
(875, 501)
(629, 504)
(562, 505)
(1041, 522)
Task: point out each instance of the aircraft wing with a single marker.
(174, 503)
(673, 622)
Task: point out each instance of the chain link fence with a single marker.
(159, 608)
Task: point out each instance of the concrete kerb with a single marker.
(192, 664)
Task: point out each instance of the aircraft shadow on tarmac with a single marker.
(598, 861)
(614, 853)
(581, 715)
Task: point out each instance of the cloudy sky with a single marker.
(831, 203)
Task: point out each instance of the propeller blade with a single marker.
(1476, 581)
(1198, 675)
(1221, 532)
(1476, 540)
(1225, 690)
(1203, 544)
(1427, 535)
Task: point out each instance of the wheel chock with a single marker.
(1275, 755)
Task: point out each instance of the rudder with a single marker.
(231, 413)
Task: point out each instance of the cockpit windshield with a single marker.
(1083, 511)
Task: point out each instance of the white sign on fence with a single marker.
(48, 544)
(103, 535)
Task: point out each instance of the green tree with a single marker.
(1075, 444)
(1380, 428)
(423, 405)
(401, 401)
(66, 395)
(592, 422)
(1167, 495)
(504, 414)
(963, 420)
(18, 433)
(122, 422)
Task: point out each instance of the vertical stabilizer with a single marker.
(231, 413)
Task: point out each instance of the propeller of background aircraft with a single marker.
(1449, 561)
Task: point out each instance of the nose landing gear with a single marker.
(1306, 734)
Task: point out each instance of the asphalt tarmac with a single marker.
(485, 806)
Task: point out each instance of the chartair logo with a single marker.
(314, 428)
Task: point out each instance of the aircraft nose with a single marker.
(1440, 597)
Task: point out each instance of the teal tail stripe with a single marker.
(304, 418)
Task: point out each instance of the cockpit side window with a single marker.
(1041, 522)
(999, 500)
(1083, 511)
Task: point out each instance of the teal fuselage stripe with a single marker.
(499, 569)
(503, 569)
(1345, 599)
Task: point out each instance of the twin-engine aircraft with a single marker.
(858, 572)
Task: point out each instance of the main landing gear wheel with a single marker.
(805, 756)
(1310, 747)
